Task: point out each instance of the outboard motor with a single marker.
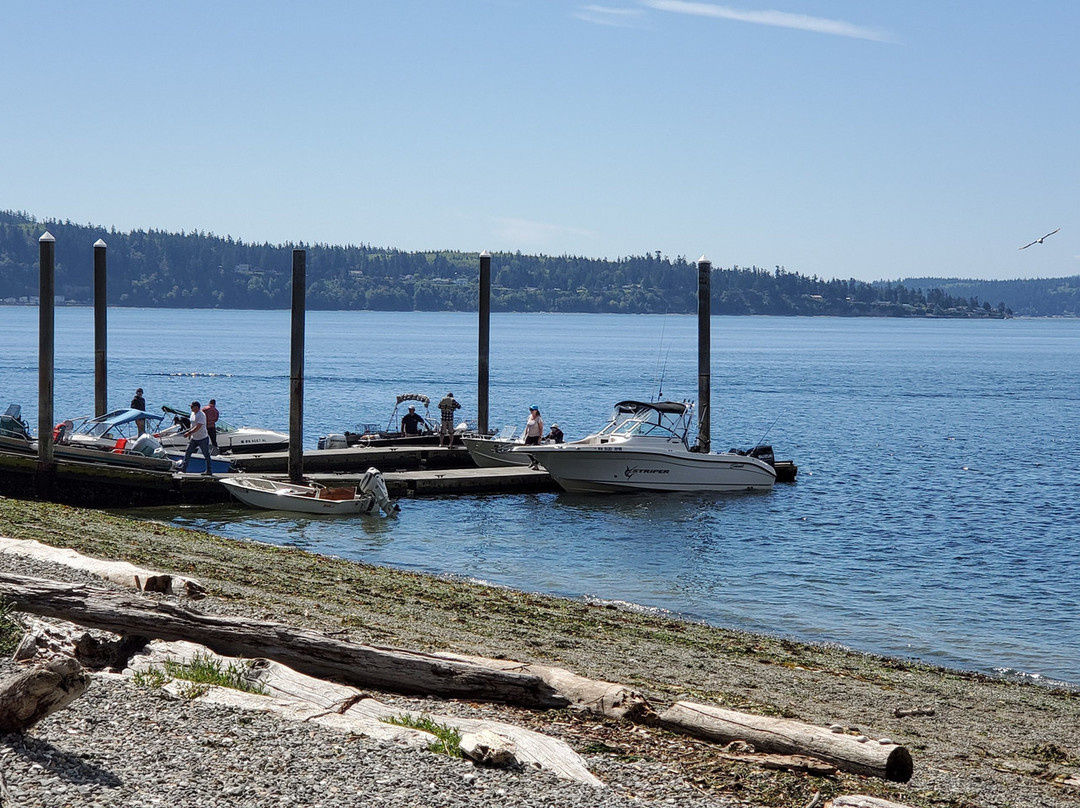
(147, 445)
(373, 485)
(764, 454)
(333, 442)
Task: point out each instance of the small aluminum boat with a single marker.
(369, 496)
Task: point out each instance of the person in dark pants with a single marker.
(198, 439)
(139, 403)
(211, 412)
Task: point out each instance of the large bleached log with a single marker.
(297, 697)
(784, 736)
(29, 696)
(603, 698)
(119, 572)
(862, 801)
(301, 649)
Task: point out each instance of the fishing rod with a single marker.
(767, 431)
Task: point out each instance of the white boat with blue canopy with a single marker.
(646, 447)
(126, 436)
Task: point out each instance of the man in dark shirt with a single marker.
(139, 403)
(411, 422)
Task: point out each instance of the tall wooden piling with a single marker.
(483, 359)
(101, 303)
(296, 370)
(704, 308)
(46, 322)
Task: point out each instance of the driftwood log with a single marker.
(119, 572)
(444, 675)
(29, 696)
(602, 698)
(297, 697)
(862, 801)
(784, 736)
(301, 649)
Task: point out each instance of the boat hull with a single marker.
(494, 453)
(607, 469)
(272, 495)
(244, 440)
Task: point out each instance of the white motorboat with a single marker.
(496, 451)
(115, 438)
(645, 447)
(369, 496)
(230, 439)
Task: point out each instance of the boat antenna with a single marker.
(761, 440)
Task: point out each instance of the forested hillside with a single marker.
(1039, 297)
(201, 270)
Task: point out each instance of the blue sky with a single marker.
(839, 138)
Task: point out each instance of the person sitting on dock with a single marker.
(555, 435)
(411, 422)
(446, 429)
(198, 439)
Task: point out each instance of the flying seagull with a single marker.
(1040, 240)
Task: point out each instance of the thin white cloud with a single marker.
(525, 232)
(615, 17)
(780, 19)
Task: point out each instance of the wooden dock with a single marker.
(358, 459)
(98, 485)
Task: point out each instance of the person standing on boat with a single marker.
(212, 414)
(446, 430)
(198, 439)
(410, 423)
(139, 403)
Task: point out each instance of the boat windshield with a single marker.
(664, 419)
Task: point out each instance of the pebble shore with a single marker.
(987, 742)
(121, 745)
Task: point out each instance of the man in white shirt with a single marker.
(198, 438)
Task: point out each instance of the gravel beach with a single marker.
(989, 741)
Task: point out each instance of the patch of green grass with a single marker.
(11, 631)
(447, 739)
(200, 673)
(153, 678)
(205, 669)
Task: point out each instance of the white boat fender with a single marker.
(373, 485)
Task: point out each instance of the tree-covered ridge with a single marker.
(201, 270)
(1042, 297)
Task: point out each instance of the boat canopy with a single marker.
(413, 397)
(103, 424)
(667, 407)
(118, 417)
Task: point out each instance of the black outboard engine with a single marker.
(764, 454)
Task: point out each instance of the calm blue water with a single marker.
(935, 515)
